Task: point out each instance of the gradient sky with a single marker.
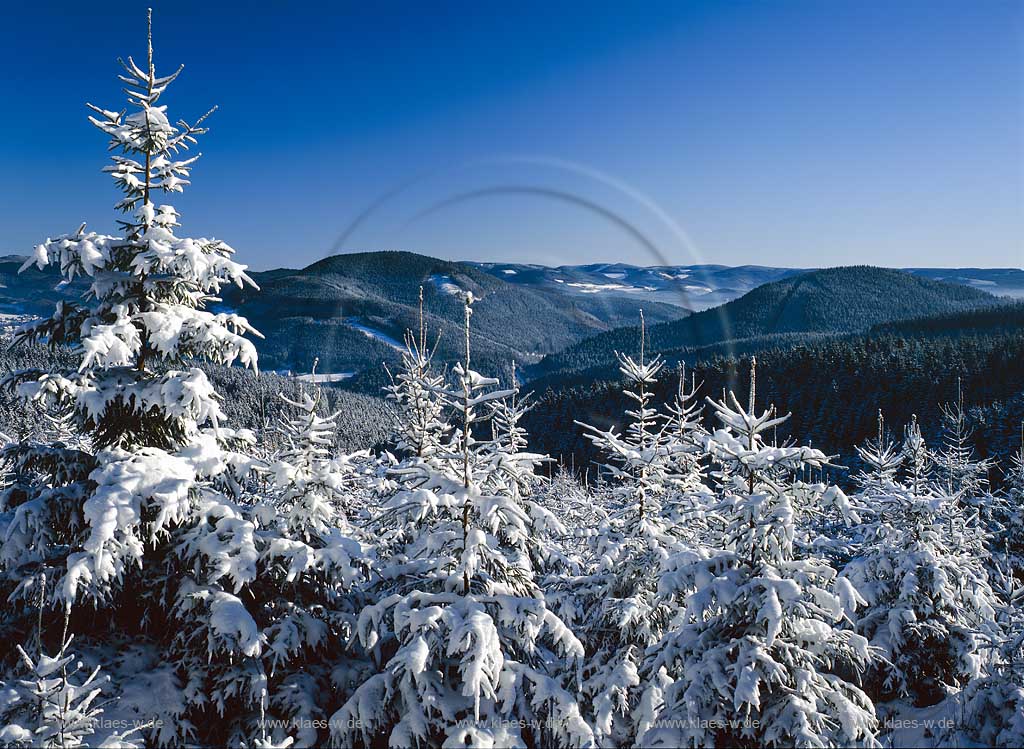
(780, 133)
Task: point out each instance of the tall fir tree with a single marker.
(654, 479)
(143, 315)
(759, 652)
(919, 569)
(960, 473)
(148, 517)
(467, 652)
(415, 390)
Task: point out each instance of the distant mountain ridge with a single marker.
(830, 301)
(351, 310)
(693, 287)
(699, 287)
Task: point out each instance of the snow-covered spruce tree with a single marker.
(515, 474)
(509, 437)
(652, 470)
(568, 497)
(144, 308)
(917, 458)
(467, 651)
(265, 614)
(882, 457)
(958, 471)
(149, 521)
(310, 491)
(640, 459)
(50, 707)
(994, 704)
(1007, 535)
(686, 433)
(926, 588)
(416, 392)
(49, 704)
(1015, 471)
(761, 655)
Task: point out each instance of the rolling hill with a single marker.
(830, 301)
(352, 311)
(698, 287)
(834, 386)
(693, 287)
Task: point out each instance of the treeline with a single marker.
(834, 388)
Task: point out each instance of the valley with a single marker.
(558, 323)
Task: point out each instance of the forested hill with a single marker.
(995, 318)
(835, 386)
(830, 301)
(352, 311)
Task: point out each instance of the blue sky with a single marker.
(780, 133)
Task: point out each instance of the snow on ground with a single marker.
(903, 725)
(142, 690)
(372, 333)
(509, 272)
(446, 285)
(9, 323)
(596, 288)
(332, 377)
(616, 276)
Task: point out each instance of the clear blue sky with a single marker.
(780, 133)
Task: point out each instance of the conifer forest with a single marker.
(654, 536)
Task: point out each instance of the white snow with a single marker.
(11, 322)
(446, 285)
(331, 377)
(905, 725)
(596, 288)
(376, 334)
(509, 272)
(230, 619)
